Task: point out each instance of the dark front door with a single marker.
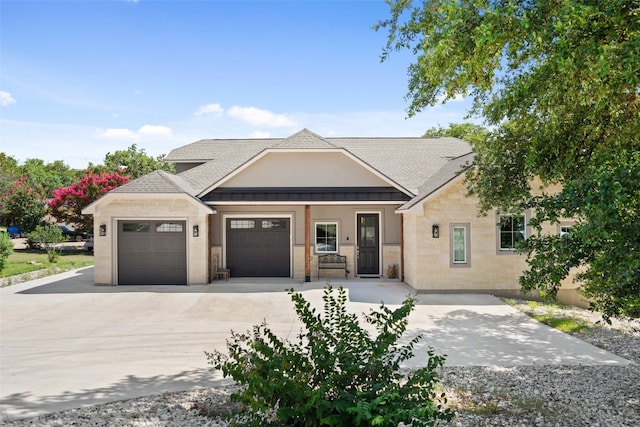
(368, 244)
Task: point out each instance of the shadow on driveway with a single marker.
(26, 404)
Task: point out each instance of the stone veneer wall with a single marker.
(176, 207)
(427, 259)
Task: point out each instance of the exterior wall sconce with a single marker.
(103, 230)
(196, 231)
(435, 231)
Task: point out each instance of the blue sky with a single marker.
(79, 79)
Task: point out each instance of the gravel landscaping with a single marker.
(481, 396)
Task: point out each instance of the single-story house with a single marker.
(271, 207)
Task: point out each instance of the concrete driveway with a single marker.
(66, 342)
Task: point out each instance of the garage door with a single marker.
(152, 253)
(258, 247)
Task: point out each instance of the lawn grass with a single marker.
(564, 324)
(550, 315)
(27, 260)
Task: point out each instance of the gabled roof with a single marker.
(408, 162)
(447, 174)
(304, 140)
(416, 166)
(157, 182)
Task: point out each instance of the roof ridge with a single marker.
(304, 139)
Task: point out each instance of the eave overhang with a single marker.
(306, 195)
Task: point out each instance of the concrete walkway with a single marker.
(66, 342)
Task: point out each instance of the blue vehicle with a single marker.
(14, 232)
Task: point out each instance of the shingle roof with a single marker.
(157, 182)
(412, 163)
(444, 175)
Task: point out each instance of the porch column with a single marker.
(307, 243)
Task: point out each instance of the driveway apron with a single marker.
(66, 342)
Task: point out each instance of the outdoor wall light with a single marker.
(435, 231)
(103, 229)
(196, 231)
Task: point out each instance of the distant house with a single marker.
(271, 207)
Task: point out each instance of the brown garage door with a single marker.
(152, 253)
(258, 247)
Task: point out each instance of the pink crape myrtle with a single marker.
(67, 203)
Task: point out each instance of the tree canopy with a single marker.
(135, 162)
(558, 82)
(68, 202)
(25, 188)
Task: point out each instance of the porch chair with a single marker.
(219, 272)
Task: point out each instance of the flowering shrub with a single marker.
(67, 203)
(335, 374)
(22, 206)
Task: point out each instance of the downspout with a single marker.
(402, 247)
(307, 243)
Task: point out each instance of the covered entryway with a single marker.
(258, 247)
(152, 252)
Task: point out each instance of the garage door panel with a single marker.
(152, 252)
(258, 247)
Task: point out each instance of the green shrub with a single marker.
(6, 248)
(335, 373)
(47, 237)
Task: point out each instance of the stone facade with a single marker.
(154, 206)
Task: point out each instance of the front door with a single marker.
(368, 244)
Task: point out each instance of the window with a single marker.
(564, 230)
(169, 227)
(459, 245)
(242, 223)
(511, 229)
(274, 223)
(135, 227)
(460, 253)
(326, 237)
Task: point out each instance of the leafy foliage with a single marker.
(68, 202)
(9, 172)
(558, 82)
(336, 373)
(22, 206)
(47, 237)
(470, 132)
(6, 249)
(45, 177)
(605, 241)
(135, 162)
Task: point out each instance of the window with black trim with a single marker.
(511, 230)
(326, 237)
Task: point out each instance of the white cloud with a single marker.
(443, 98)
(127, 134)
(6, 98)
(154, 130)
(209, 109)
(116, 134)
(258, 117)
